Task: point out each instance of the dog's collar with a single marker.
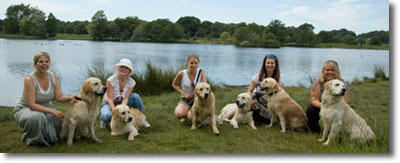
(272, 93)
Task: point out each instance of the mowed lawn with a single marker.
(369, 98)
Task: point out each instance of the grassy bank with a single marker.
(347, 46)
(169, 135)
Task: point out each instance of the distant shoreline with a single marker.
(197, 41)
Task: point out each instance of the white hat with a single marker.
(124, 62)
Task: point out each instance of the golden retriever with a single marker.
(241, 112)
(203, 109)
(80, 116)
(283, 107)
(338, 117)
(127, 120)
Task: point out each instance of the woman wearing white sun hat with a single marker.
(119, 91)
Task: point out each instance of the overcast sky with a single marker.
(360, 16)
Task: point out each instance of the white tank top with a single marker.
(186, 84)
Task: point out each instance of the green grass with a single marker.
(168, 135)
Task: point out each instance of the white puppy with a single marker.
(243, 112)
(338, 117)
(127, 120)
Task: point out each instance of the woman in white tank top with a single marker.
(184, 83)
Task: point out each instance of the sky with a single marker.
(359, 16)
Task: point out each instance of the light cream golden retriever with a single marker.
(80, 116)
(203, 109)
(338, 117)
(241, 112)
(127, 120)
(284, 108)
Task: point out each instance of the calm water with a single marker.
(222, 63)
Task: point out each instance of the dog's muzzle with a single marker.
(206, 96)
(102, 93)
(239, 105)
(343, 92)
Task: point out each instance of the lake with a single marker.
(222, 63)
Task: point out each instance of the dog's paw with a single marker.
(326, 143)
(131, 138)
(217, 134)
(97, 141)
(283, 131)
(320, 140)
(193, 128)
(70, 144)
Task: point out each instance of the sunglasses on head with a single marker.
(271, 56)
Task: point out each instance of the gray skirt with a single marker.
(38, 127)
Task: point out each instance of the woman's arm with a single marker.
(110, 95)
(175, 84)
(127, 96)
(29, 89)
(315, 94)
(251, 87)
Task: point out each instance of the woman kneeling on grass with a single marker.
(187, 79)
(34, 111)
(330, 70)
(269, 69)
(119, 91)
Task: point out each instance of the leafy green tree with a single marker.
(51, 25)
(305, 36)
(348, 39)
(137, 34)
(277, 28)
(98, 26)
(190, 25)
(81, 27)
(242, 33)
(27, 27)
(375, 41)
(225, 35)
(162, 30)
(216, 29)
(1, 25)
(14, 16)
(204, 29)
(325, 37)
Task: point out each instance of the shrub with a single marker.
(379, 72)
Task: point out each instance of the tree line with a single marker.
(31, 21)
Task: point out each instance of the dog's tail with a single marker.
(305, 122)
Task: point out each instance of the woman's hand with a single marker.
(75, 98)
(187, 96)
(57, 113)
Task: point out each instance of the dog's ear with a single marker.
(86, 88)
(275, 86)
(327, 86)
(195, 91)
(114, 113)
